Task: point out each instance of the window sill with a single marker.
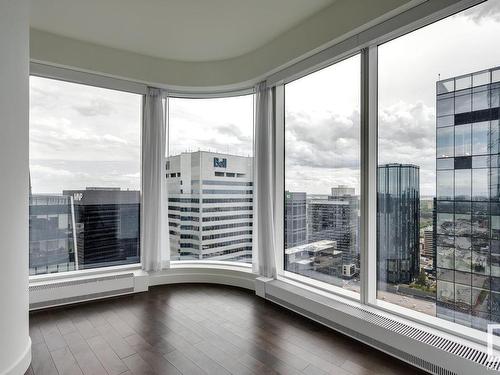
(318, 286)
(227, 273)
(174, 265)
(211, 264)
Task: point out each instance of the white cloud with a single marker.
(325, 152)
(328, 142)
(490, 10)
(220, 125)
(96, 107)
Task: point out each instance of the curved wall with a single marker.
(339, 21)
(15, 354)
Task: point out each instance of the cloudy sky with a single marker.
(220, 125)
(322, 123)
(84, 136)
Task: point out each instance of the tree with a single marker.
(421, 279)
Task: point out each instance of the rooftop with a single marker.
(314, 247)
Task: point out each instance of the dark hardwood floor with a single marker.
(195, 329)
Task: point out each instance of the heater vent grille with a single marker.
(75, 282)
(83, 298)
(61, 292)
(452, 347)
(477, 356)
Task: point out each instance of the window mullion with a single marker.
(368, 209)
(279, 112)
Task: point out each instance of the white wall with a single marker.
(15, 353)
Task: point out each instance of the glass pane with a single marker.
(495, 227)
(210, 184)
(445, 106)
(445, 142)
(482, 78)
(85, 152)
(480, 222)
(445, 291)
(445, 163)
(480, 162)
(494, 138)
(445, 184)
(481, 99)
(464, 82)
(495, 75)
(463, 184)
(463, 224)
(444, 87)
(463, 145)
(445, 121)
(445, 224)
(322, 157)
(494, 180)
(438, 119)
(480, 133)
(495, 95)
(481, 262)
(480, 185)
(463, 101)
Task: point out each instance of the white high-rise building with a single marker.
(210, 206)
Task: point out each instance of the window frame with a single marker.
(174, 94)
(367, 44)
(109, 83)
(282, 273)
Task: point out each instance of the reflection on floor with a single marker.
(195, 329)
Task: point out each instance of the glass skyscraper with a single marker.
(51, 244)
(468, 199)
(398, 223)
(295, 219)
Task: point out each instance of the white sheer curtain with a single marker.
(264, 258)
(155, 252)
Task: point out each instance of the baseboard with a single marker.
(20, 366)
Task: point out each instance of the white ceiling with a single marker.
(185, 30)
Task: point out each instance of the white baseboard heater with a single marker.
(80, 289)
(415, 344)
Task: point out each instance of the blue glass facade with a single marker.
(398, 213)
(468, 199)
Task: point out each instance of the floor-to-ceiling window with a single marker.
(84, 176)
(438, 206)
(209, 169)
(322, 175)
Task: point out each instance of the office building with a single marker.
(320, 256)
(468, 192)
(295, 219)
(398, 229)
(429, 243)
(210, 206)
(335, 218)
(52, 235)
(342, 191)
(107, 226)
